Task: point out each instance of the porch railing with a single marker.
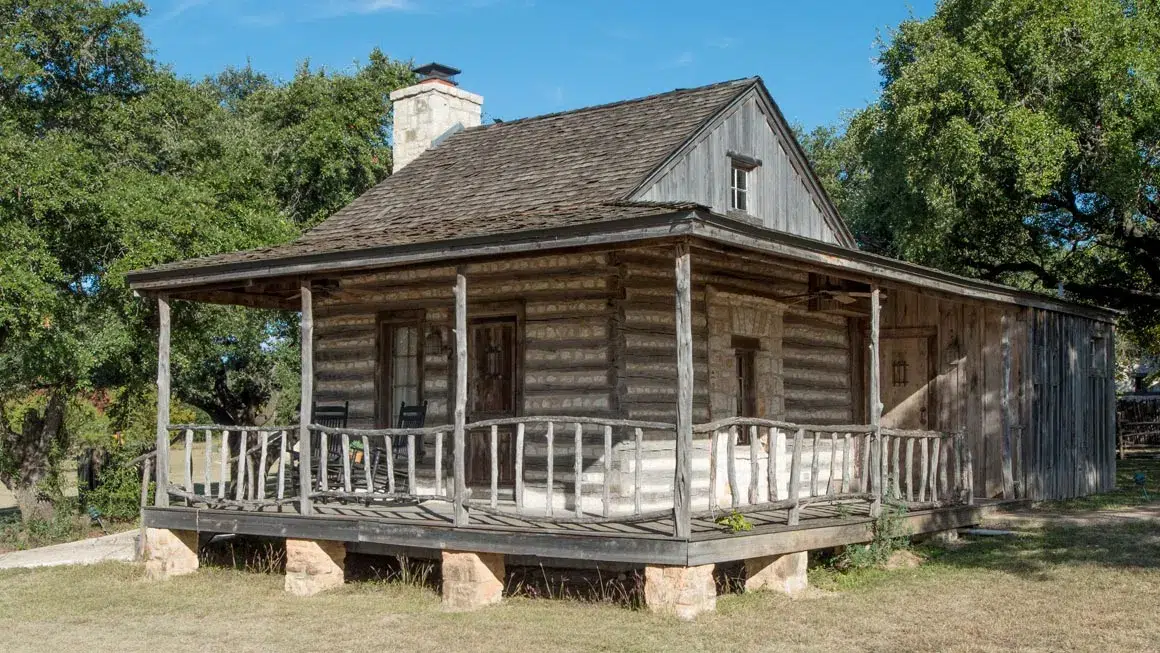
(751, 465)
(555, 434)
(770, 465)
(240, 466)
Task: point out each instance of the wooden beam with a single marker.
(460, 398)
(249, 300)
(307, 396)
(683, 481)
(874, 394)
(161, 498)
(873, 268)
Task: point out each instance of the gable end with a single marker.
(786, 194)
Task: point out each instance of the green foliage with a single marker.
(890, 535)
(64, 525)
(118, 492)
(108, 163)
(1016, 141)
(734, 522)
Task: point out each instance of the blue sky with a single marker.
(528, 57)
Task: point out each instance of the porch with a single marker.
(665, 401)
(746, 509)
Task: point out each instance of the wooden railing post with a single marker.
(161, 497)
(306, 397)
(146, 467)
(795, 471)
(459, 444)
(875, 398)
(683, 477)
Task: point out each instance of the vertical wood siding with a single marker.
(778, 197)
(1056, 438)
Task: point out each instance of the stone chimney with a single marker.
(430, 111)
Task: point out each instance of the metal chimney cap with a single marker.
(437, 71)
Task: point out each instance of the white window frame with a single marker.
(741, 182)
(738, 192)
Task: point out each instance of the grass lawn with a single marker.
(1092, 585)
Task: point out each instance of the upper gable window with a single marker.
(740, 181)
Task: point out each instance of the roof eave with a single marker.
(700, 223)
(661, 225)
(728, 231)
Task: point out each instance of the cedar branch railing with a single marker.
(753, 465)
(858, 463)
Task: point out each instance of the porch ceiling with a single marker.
(272, 283)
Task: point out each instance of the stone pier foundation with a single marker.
(682, 591)
(781, 573)
(314, 566)
(472, 580)
(170, 553)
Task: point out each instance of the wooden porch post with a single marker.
(683, 481)
(875, 396)
(306, 398)
(459, 443)
(161, 497)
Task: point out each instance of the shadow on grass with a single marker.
(1128, 492)
(393, 569)
(1035, 553)
(263, 555)
(622, 587)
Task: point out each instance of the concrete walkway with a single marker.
(121, 547)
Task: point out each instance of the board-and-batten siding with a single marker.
(778, 196)
(1049, 435)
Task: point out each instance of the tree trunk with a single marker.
(32, 503)
(27, 454)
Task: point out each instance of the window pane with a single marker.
(404, 357)
(742, 178)
(742, 201)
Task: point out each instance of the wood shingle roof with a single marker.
(556, 170)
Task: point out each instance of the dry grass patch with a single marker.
(1077, 588)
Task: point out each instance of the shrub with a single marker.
(118, 492)
(734, 522)
(890, 535)
(65, 525)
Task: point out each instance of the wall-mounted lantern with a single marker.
(953, 353)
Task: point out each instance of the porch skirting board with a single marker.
(640, 544)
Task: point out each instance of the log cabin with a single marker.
(618, 325)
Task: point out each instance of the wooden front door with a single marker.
(491, 393)
(907, 376)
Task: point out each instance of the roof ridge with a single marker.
(608, 105)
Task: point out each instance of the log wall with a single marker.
(599, 340)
